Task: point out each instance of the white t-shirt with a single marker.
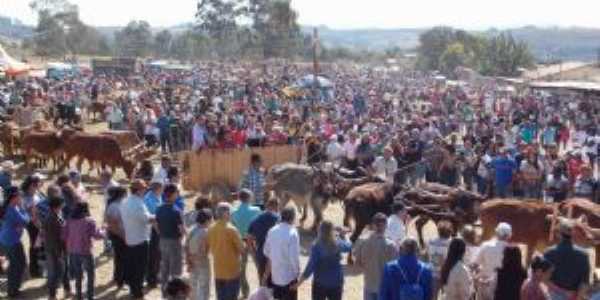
(385, 168)
(489, 257)
(136, 220)
(396, 230)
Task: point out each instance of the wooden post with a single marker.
(315, 64)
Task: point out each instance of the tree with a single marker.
(134, 40)
(218, 20)
(433, 44)
(162, 43)
(282, 32)
(453, 57)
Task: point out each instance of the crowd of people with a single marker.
(525, 144)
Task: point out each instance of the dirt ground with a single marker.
(105, 289)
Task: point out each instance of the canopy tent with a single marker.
(11, 66)
(308, 81)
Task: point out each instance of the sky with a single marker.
(350, 14)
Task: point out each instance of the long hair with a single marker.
(512, 260)
(326, 236)
(456, 252)
(510, 275)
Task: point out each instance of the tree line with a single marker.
(445, 49)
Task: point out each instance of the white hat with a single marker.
(503, 230)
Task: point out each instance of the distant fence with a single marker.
(227, 166)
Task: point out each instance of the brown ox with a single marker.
(102, 149)
(127, 139)
(578, 207)
(96, 108)
(529, 220)
(10, 138)
(44, 144)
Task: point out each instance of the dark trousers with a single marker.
(164, 143)
(119, 259)
(79, 264)
(16, 267)
(285, 292)
(227, 289)
(323, 293)
(34, 253)
(137, 261)
(56, 266)
(153, 266)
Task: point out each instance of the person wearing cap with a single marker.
(385, 166)
(489, 259)
(241, 217)
(14, 219)
(372, 254)
(137, 221)
(571, 274)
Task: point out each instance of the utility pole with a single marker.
(315, 64)
(598, 57)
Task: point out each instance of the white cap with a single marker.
(503, 230)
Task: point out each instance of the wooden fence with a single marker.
(226, 167)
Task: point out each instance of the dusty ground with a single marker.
(105, 289)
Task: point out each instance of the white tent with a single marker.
(11, 66)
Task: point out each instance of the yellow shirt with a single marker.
(225, 244)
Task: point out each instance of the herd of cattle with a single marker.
(114, 149)
(534, 223)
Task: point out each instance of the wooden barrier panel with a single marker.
(227, 166)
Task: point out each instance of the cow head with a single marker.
(583, 234)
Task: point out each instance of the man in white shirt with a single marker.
(335, 150)
(136, 224)
(350, 150)
(396, 224)
(199, 135)
(282, 249)
(489, 259)
(386, 166)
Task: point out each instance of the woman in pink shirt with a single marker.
(78, 234)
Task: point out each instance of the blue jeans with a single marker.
(56, 266)
(16, 267)
(227, 289)
(326, 293)
(501, 191)
(370, 295)
(79, 264)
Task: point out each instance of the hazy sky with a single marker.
(470, 14)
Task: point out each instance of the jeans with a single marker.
(137, 260)
(79, 264)
(227, 289)
(153, 259)
(367, 295)
(200, 278)
(481, 185)
(501, 191)
(119, 259)
(164, 142)
(171, 264)
(323, 293)
(245, 287)
(16, 267)
(56, 266)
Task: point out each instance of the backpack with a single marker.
(411, 291)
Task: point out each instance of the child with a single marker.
(78, 234)
(534, 288)
(196, 254)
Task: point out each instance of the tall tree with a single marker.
(218, 19)
(135, 40)
(162, 43)
(282, 33)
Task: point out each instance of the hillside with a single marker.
(567, 43)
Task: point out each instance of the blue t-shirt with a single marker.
(259, 228)
(169, 220)
(15, 219)
(504, 168)
(242, 216)
(152, 202)
(325, 264)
